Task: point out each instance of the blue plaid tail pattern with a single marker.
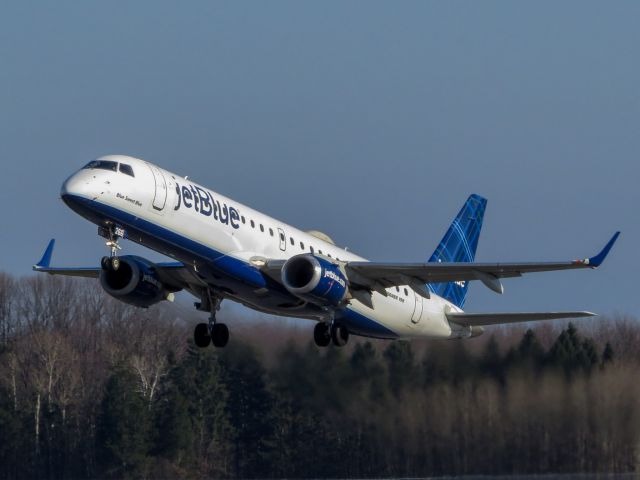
(459, 245)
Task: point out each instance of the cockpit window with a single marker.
(103, 164)
(126, 169)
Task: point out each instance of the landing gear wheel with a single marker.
(115, 263)
(110, 264)
(339, 335)
(105, 263)
(219, 335)
(201, 335)
(321, 334)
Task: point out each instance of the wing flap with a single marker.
(480, 319)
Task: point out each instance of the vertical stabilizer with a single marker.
(459, 245)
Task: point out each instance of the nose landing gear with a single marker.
(112, 234)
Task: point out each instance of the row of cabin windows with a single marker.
(406, 292)
(282, 237)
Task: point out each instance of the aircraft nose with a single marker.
(71, 186)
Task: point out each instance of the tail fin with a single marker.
(459, 245)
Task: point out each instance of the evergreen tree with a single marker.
(9, 436)
(607, 354)
(300, 414)
(249, 407)
(589, 356)
(400, 366)
(199, 381)
(124, 428)
(491, 361)
(528, 354)
(367, 372)
(175, 436)
(572, 354)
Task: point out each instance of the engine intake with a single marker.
(134, 282)
(314, 279)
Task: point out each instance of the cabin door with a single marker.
(417, 310)
(283, 239)
(160, 194)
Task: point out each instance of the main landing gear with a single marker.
(325, 333)
(213, 332)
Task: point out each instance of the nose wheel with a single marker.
(110, 263)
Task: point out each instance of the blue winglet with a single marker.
(599, 258)
(45, 261)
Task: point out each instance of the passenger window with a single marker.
(302, 245)
(261, 228)
(292, 241)
(397, 289)
(282, 237)
(126, 169)
(242, 219)
(311, 249)
(320, 252)
(271, 232)
(329, 255)
(102, 165)
(253, 225)
(406, 292)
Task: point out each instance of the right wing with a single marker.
(480, 319)
(378, 276)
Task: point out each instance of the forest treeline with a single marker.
(93, 388)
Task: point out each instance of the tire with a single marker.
(105, 263)
(115, 263)
(321, 334)
(220, 335)
(201, 335)
(339, 335)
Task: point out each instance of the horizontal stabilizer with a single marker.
(478, 319)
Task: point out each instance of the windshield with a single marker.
(102, 164)
(126, 169)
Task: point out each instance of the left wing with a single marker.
(378, 276)
(175, 274)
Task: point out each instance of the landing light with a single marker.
(258, 261)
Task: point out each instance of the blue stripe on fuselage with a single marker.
(161, 239)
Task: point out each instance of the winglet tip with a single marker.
(597, 260)
(45, 261)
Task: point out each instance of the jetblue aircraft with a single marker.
(225, 250)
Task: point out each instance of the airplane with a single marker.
(223, 250)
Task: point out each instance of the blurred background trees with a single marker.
(90, 387)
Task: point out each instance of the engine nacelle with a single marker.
(465, 331)
(134, 282)
(314, 279)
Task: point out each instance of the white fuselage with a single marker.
(199, 227)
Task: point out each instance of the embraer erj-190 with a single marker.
(225, 250)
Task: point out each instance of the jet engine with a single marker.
(315, 279)
(134, 281)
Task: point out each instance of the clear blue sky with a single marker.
(369, 120)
